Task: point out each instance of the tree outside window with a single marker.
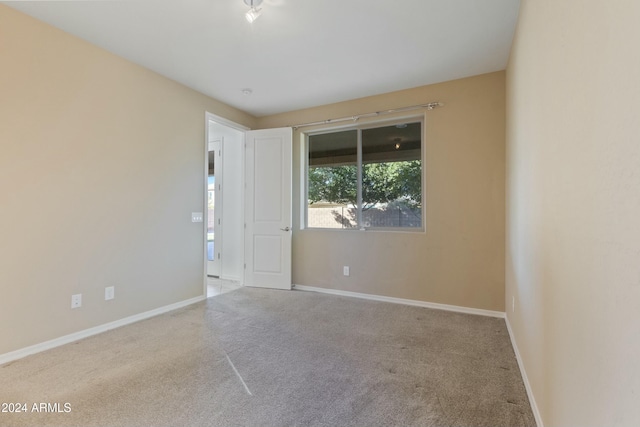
(391, 169)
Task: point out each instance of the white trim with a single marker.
(216, 145)
(223, 121)
(525, 379)
(210, 117)
(47, 345)
(417, 303)
(205, 203)
(304, 182)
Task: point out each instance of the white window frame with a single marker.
(359, 128)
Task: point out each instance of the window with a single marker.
(365, 178)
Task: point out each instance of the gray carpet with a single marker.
(257, 357)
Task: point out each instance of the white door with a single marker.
(268, 208)
(214, 207)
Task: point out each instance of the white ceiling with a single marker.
(299, 53)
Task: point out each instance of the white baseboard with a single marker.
(37, 348)
(456, 308)
(525, 379)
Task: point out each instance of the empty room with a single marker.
(320, 213)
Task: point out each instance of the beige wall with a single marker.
(101, 165)
(573, 208)
(460, 258)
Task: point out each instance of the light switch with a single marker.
(196, 216)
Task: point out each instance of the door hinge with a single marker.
(218, 221)
(218, 255)
(245, 266)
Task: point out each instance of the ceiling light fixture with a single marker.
(255, 11)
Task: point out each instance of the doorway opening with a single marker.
(211, 190)
(214, 208)
(248, 233)
(224, 205)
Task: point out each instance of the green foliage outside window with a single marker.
(382, 183)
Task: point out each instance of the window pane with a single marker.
(333, 180)
(392, 176)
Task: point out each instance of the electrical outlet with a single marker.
(513, 304)
(109, 293)
(345, 270)
(76, 300)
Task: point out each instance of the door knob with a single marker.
(286, 229)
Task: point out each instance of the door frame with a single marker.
(210, 117)
(216, 145)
